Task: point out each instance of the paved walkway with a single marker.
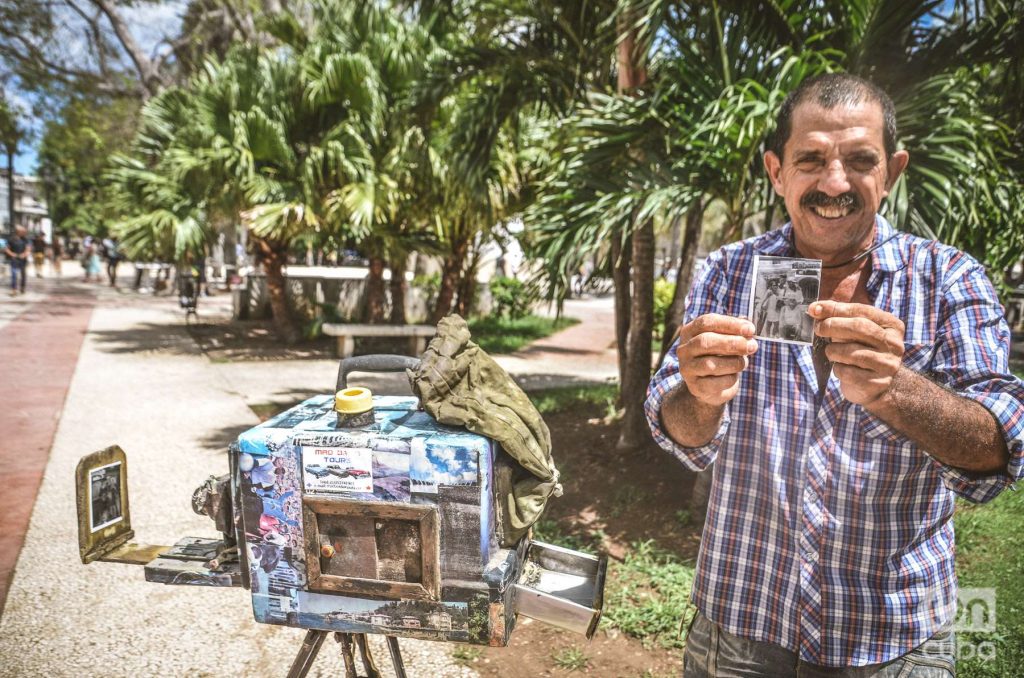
(39, 342)
(140, 381)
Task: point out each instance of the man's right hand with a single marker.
(712, 352)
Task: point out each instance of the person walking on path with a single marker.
(113, 255)
(57, 252)
(91, 261)
(17, 251)
(39, 253)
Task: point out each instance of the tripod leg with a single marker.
(307, 653)
(346, 653)
(364, 649)
(396, 657)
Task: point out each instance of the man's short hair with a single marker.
(828, 91)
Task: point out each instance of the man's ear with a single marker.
(773, 167)
(897, 163)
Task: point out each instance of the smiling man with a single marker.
(828, 546)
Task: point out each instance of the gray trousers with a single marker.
(712, 652)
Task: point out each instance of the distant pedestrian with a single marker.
(39, 253)
(17, 251)
(91, 260)
(57, 252)
(112, 253)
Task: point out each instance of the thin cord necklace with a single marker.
(856, 258)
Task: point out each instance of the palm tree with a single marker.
(293, 141)
(718, 72)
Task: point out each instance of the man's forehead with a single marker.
(862, 124)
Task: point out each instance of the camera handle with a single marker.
(373, 363)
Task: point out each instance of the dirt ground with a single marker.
(626, 497)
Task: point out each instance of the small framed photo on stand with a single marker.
(104, 521)
(781, 291)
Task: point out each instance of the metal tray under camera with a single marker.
(561, 587)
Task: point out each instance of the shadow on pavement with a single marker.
(146, 337)
(222, 438)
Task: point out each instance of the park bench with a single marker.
(347, 332)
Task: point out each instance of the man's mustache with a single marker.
(819, 199)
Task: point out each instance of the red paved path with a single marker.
(38, 353)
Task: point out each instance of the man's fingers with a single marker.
(821, 310)
(717, 323)
(864, 357)
(858, 330)
(717, 365)
(713, 389)
(711, 343)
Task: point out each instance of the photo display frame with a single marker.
(781, 291)
(101, 492)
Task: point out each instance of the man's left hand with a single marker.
(866, 347)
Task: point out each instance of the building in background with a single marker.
(29, 205)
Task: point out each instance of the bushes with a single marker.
(512, 298)
(663, 293)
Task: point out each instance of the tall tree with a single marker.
(12, 133)
(74, 149)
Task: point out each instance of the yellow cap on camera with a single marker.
(353, 400)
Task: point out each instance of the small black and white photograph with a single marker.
(104, 496)
(784, 287)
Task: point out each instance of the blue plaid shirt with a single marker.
(828, 532)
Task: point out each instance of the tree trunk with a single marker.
(274, 256)
(467, 288)
(376, 302)
(451, 274)
(634, 432)
(635, 369)
(146, 69)
(620, 276)
(10, 191)
(691, 241)
(398, 288)
(674, 240)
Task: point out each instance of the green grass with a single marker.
(552, 400)
(990, 554)
(571, 659)
(464, 655)
(505, 335)
(647, 595)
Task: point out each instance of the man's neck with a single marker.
(836, 258)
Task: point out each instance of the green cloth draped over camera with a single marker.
(460, 385)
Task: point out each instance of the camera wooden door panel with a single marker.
(371, 548)
(354, 543)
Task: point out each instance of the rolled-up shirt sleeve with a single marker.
(704, 297)
(972, 359)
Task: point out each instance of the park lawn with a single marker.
(495, 334)
(990, 554)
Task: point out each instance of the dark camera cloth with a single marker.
(460, 385)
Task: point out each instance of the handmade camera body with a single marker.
(391, 527)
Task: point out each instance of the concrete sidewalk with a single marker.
(140, 381)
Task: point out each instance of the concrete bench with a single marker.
(347, 332)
